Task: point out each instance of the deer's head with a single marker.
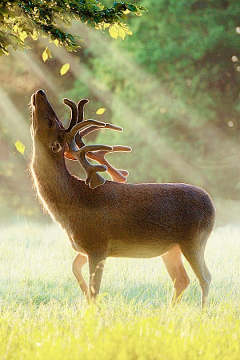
(48, 131)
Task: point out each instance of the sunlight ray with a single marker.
(13, 120)
(39, 69)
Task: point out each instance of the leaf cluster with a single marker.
(20, 19)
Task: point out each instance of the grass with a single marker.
(44, 316)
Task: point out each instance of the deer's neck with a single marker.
(54, 184)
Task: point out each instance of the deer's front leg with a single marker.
(96, 265)
(78, 263)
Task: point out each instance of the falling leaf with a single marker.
(113, 31)
(100, 111)
(20, 147)
(44, 55)
(64, 69)
(48, 52)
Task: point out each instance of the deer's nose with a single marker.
(41, 92)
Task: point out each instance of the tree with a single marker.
(20, 19)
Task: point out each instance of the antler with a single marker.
(93, 178)
(99, 156)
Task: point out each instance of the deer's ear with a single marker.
(56, 147)
(67, 153)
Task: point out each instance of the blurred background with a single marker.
(174, 87)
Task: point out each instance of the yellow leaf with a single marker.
(48, 52)
(127, 31)
(64, 69)
(121, 33)
(35, 35)
(98, 27)
(15, 28)
(56, 42)
(105, 25)
(100, 111)
(44, 55)
(23, 35)
(20, 147)
(113, 31)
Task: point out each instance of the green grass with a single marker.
(43, 315)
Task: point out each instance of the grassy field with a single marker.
(44, 316)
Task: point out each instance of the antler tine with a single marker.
(93, 178)
(80, 118)
(93, 128)
(80, 106)
(72, 133)
(99, 156)
(74, 113)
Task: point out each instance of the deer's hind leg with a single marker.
(78, 263)
(195, 257)
(175, 268)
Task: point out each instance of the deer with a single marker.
(112, 218)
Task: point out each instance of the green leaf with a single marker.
(132, 8)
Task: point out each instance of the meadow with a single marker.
(44, 316)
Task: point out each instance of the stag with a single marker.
(113, 218)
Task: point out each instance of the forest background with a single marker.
(173, 86)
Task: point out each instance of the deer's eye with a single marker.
(51, 123)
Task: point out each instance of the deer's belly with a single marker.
(131, 250)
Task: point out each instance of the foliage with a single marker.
(21, 19)
(43, 317)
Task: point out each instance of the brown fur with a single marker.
(119, 220)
